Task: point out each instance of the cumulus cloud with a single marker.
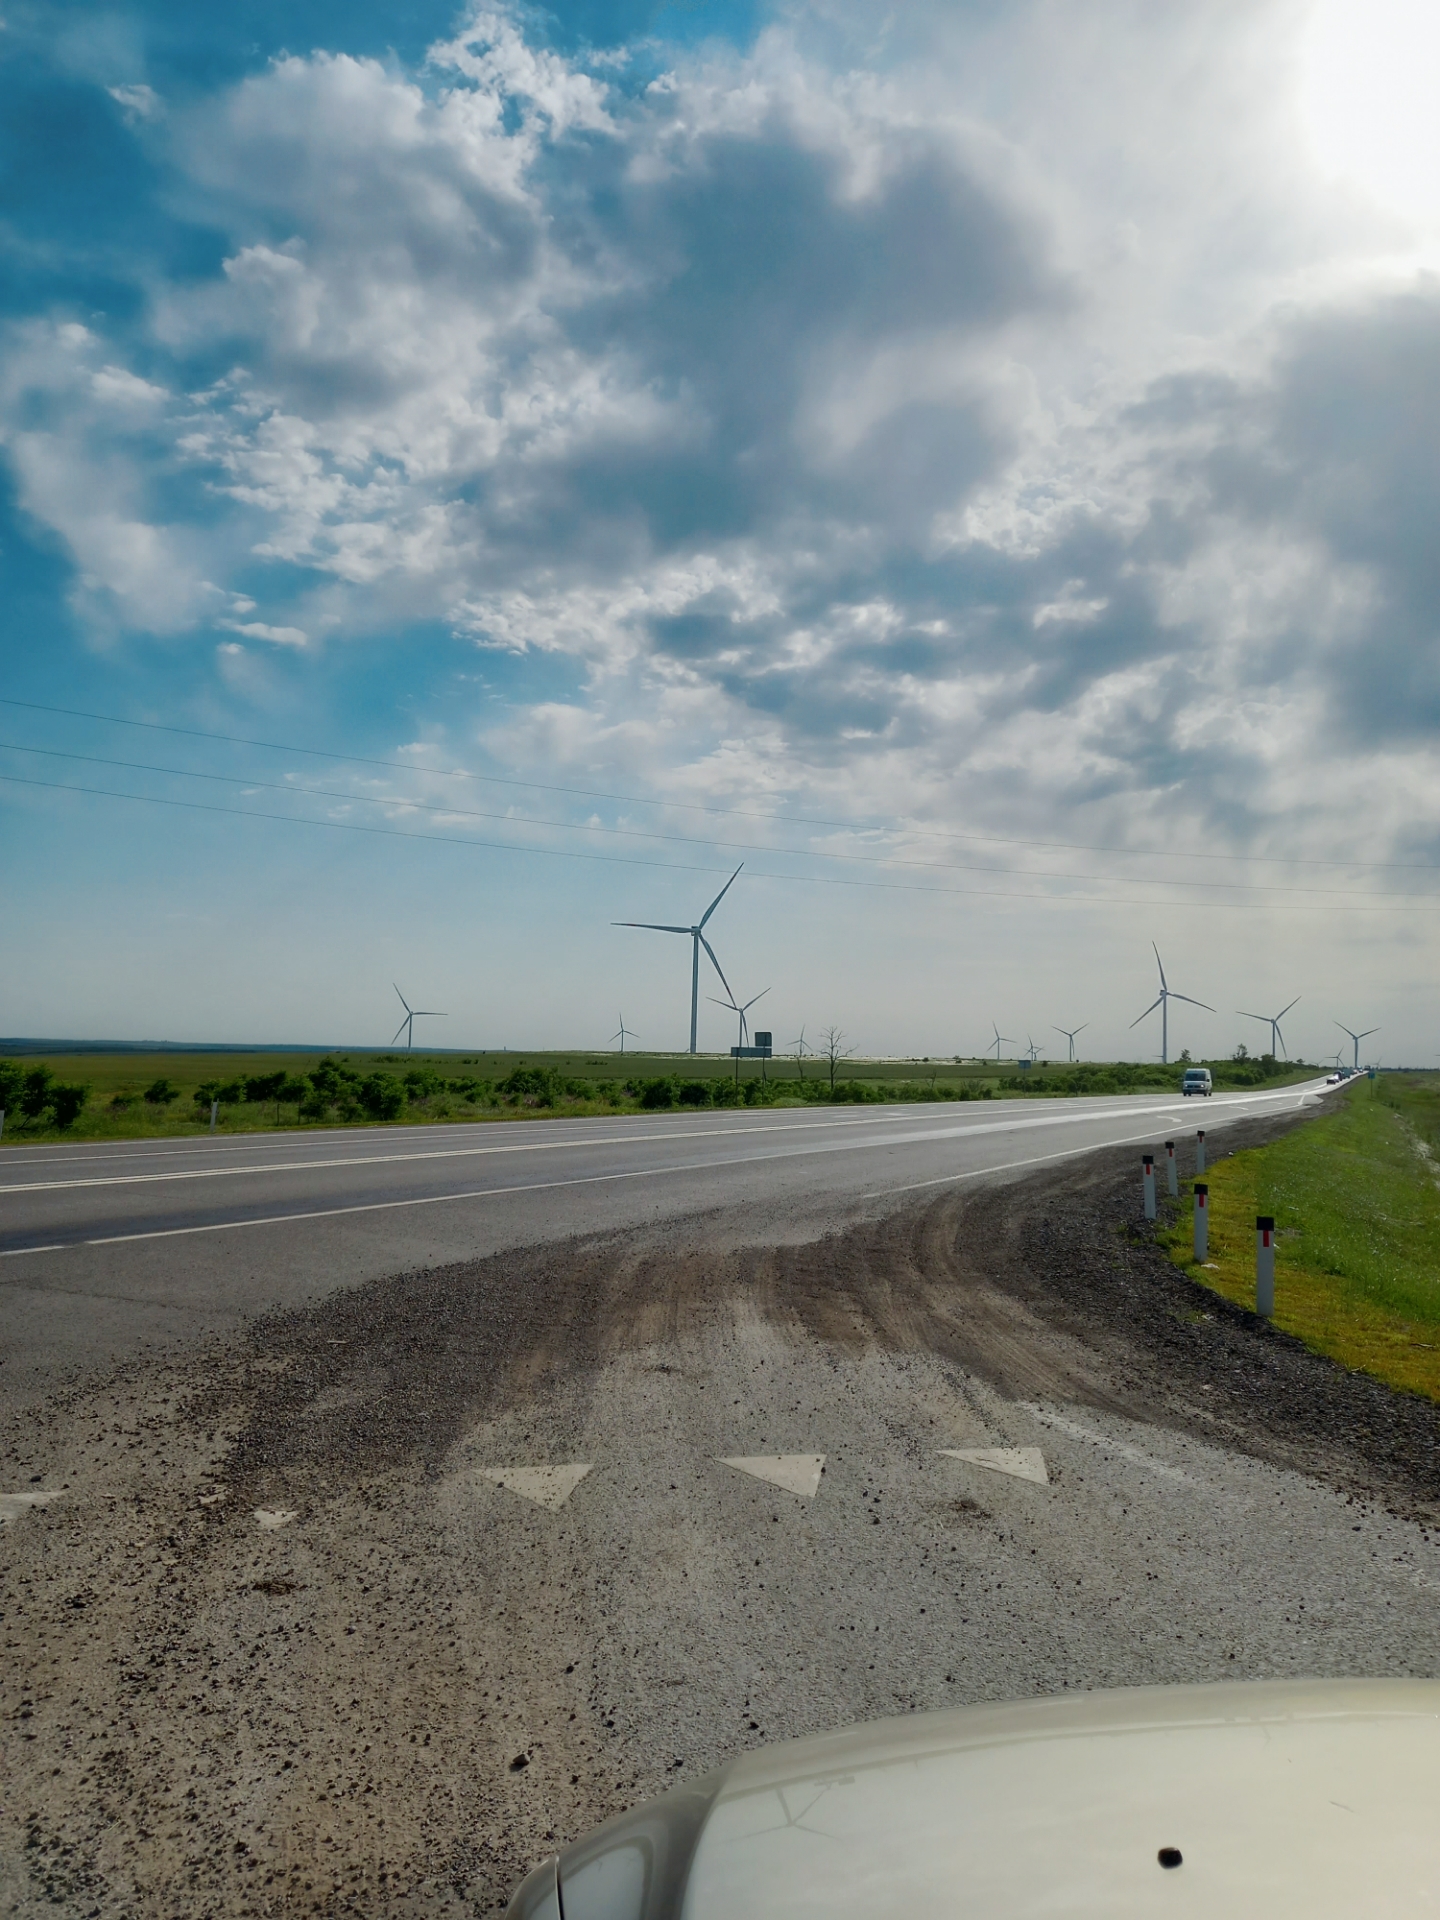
(900, 430)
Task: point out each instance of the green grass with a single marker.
(580, 1083)
(1357, 1217)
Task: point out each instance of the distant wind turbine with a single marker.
(697, 940)
(1272, 1020)
(1070, 1033)
(1166, 995)
(742, 1011)
(621, 1035)
(1000, 1040)
(1364, 1034)
(412, 1014)
(1031, 1049)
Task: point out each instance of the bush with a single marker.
(657, 1094)
(67, 1104)
(160, 1093)
(694, 1093)
(12, 1080)
(382, 1096)
(35, 1092)
(537, 1084)
(264, 1086)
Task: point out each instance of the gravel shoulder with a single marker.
(280, 1646)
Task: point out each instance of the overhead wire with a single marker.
(696, 806)
(678, 866)
(679, 839)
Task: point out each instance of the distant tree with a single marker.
(67, 1103)
(161, 1092)
(694, 1093)
(832, 1050)
(291, 1091)
(382, 1096)
(35, 1092)
(12, 1083)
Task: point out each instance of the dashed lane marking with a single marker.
(795, 1472)
(547, 1486)
(1025, 1463)
(12, 1505)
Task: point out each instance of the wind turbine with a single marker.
(1357, 1038)
(1166, 995)
(697, 940)
(1070, 1033)
(800, 1052)
(1001, 1039)
(624, 1030)
(1031, 1049)
(412, 1014)
(1277, 1039)
(742, 1011)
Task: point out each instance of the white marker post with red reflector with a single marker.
(1200, 1151)
(1172, 1183)
(1265, 1265)
(1147, 1184)
(1202, 1220)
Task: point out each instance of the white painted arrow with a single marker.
(1026, 1463)
(795, 1472)
(547, 1486)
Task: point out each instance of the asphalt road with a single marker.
(110, 1249)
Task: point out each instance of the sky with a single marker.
(976, 465)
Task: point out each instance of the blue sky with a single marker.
(976, 464)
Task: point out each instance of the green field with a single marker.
(1357, 1218)
(359, 1087)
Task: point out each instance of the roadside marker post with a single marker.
(1202, 1220)
(1265, 1265)
(214, 1109)
(1171, 1171)
(2, 1123)
(1200, 1151)
(1147, 1183)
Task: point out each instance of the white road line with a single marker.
(1014, 1166)
(590, 1180)
(1051, 1119)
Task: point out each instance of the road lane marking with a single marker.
(269, 1518)
(547, 1486)
(952, 1132)
(1025, 1463)
(585, 1180)
(12, 1505)
(1134, 1455)
(795, 1472)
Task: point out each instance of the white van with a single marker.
(1197, 1080)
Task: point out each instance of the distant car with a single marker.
(1333, 1079)
(1101, 1806)
(1197, 1080)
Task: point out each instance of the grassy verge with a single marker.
(1357, 1222)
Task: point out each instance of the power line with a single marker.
(677, 839)
(676, 866)
(696, 806)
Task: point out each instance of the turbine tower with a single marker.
(1363, 1034)
(1070, 1033)
(1001, 1039)
(1166, 995)
(1272, 1020)
(412, 1014)
(697, 940)
(621, 1035)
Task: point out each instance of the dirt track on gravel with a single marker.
(396, 1698)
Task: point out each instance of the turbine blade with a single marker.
(1294, 1003)
(759, 996)
(399, 1030)
(1367, 1033)
(722, 1003)
(1240, 1010)
(651, 926)
(1148, 1011)
(714, 962)
(403, 1001)
(721, 895)
(1161, 964)
(1200, 1003)
(1081, 1028)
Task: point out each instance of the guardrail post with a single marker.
(1171, 1182)
(1265, 1265)
(1200, 1151)
(1202, 1221)
(1147, 1184)
(214, 1109)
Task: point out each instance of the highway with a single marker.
(109, 1249)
